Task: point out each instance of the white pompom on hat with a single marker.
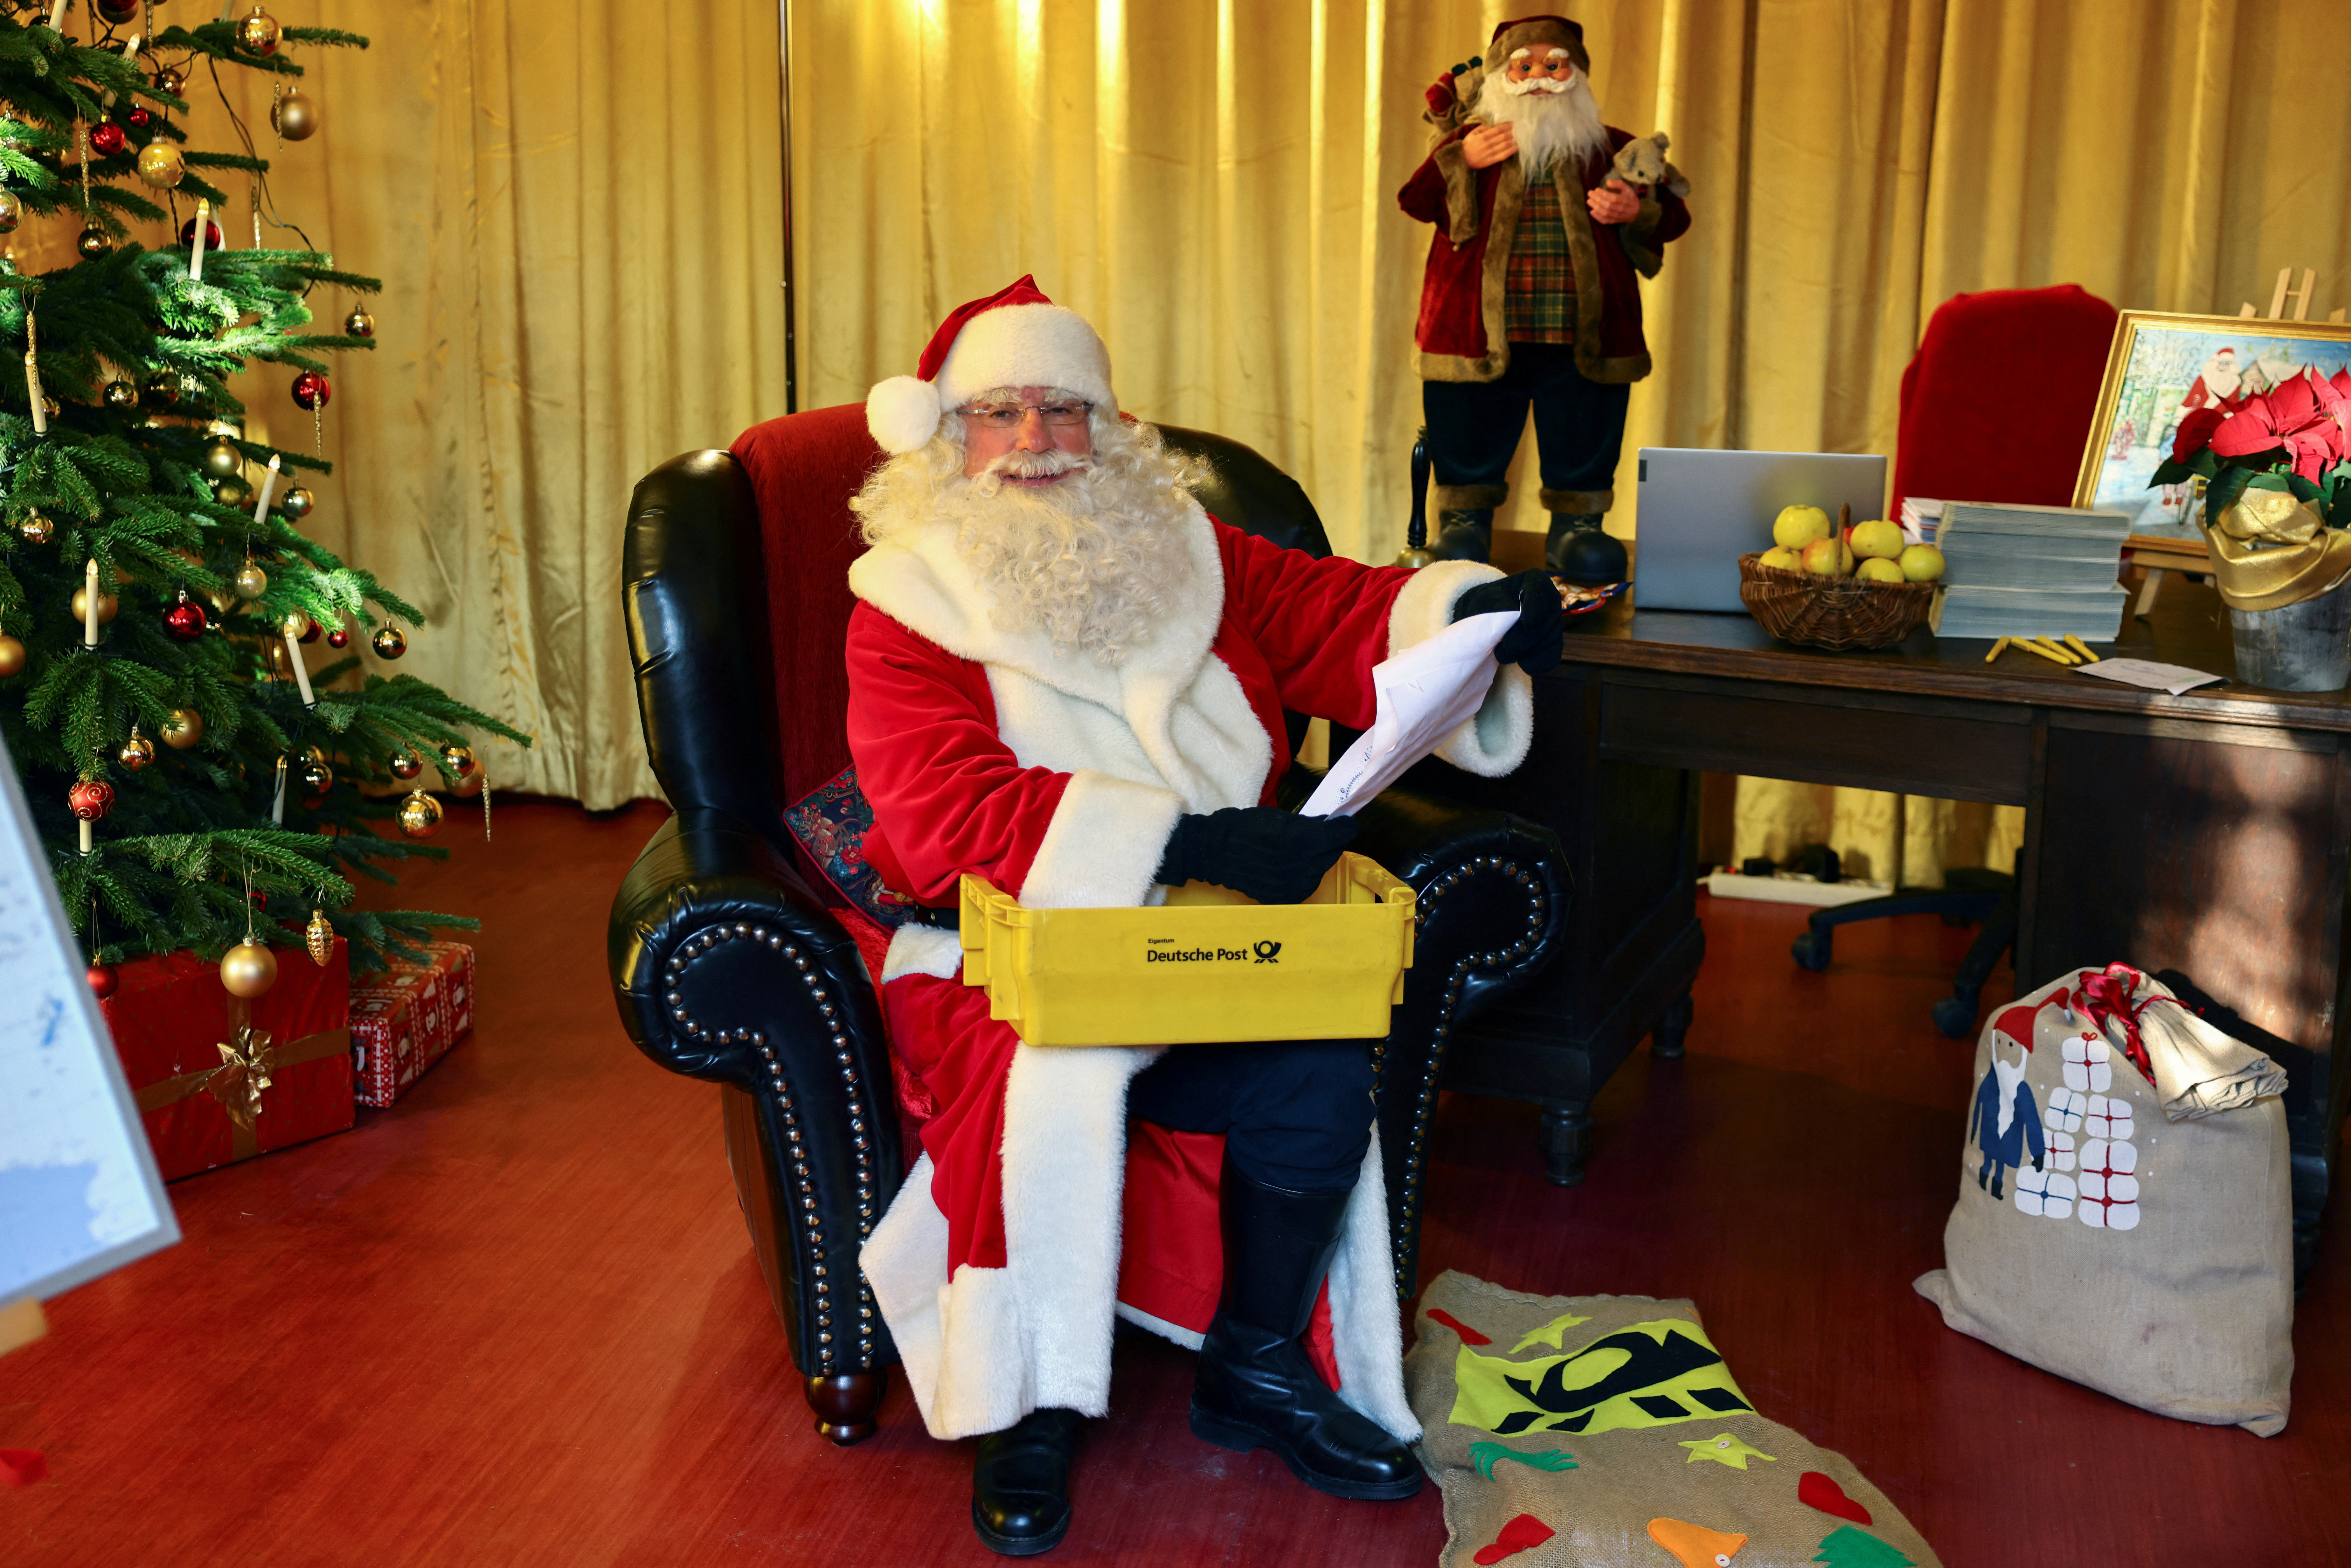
(1013, 338)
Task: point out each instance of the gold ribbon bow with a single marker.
(243, 1074)
(2271, 550)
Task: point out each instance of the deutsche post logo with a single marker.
(1269, 952)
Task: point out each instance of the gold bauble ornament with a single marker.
(257, 31)
(105, 606)
(390, 642)
(232, 492)
(252, 582)
(163, 390)
(12, 212)
(169, 82)
(296, 117)
(248, 969)
(221, 461)
(420, 816)
(160, 165)
(406, 765)
(93, 243)
(320, 938)
(12, 656)
(458, 759)
(358, 323)
(121, 396)
(280, 667)
(316, 778)
(183, 729)
(296, 623)
(137, 752)
(36, 529)
(297, 503)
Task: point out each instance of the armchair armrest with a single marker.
(1493, 911)
(727, 969)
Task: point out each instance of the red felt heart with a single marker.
(1520, 1534)
(1469, 1336)
(23, 1466)
(1817, 1490)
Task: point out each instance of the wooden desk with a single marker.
(2205, 833)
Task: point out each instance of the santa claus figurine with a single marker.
(1065, 678)
(1530, 297)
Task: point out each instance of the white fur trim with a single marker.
(1190, 1339)
(1026, 346)
(903, 413)
(1498, 735)
(923, 950)
(905, 1262)
(1366, 1327)
(1105, 841)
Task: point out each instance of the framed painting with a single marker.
(2162, 368)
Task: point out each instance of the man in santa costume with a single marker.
(1530, 297)
(1068, 679)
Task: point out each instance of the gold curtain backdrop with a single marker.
(577, 215)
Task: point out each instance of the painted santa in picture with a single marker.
(2216, 383)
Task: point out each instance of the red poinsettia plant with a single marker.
(2295, 436)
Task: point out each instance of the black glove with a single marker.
(1533, 645)
(1271, 855)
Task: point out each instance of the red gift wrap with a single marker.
(406, 1019)
(219, 1079)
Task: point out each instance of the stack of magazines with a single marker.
(2030, 572)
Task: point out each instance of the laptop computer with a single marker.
(1700, 510)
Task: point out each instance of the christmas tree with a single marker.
(194, 780)
(1849, 1548)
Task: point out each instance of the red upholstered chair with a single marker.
(1996, 406)
(738, 957)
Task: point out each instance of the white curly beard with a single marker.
(1090, 560)
(1549, 126)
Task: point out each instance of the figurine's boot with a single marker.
(1464, 535)
(1256, 1388)
(1020, 1483)
(1581, 550)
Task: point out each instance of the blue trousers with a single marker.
(1474, 428)
(1294, 1113)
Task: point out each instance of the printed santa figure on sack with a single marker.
(1068, 679)
(2092, 1163)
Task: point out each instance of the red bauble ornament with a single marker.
(136, 117)
(338, 638)
(91, 800)
(106, 138)
(311, 390)
(310, 633)
(102, 980)
(212, 234)
(185, 620)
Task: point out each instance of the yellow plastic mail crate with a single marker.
(1208, 964)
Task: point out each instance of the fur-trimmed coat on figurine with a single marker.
(1531, 292)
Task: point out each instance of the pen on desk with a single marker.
(2063, 654)
(1996, 648)
(2031, 646)
(2081, 647)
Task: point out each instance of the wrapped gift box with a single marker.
(406, 1019)
(218, 1079)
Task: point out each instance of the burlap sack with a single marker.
(2124, 1217)
(1593, 1431)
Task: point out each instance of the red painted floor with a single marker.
(515, 1320)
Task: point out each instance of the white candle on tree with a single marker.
(129, 51)
(89, 604)
(268, 484)
(33, 391)
(196, 248)
(58, 16)
(301, 674)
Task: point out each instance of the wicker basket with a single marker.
(1833, 612)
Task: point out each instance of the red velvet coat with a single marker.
(1459, 336)
(999, 1264)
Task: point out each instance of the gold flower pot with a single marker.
(2287, 579)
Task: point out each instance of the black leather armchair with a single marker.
(729, 966)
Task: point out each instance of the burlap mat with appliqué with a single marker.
(1579, 1431)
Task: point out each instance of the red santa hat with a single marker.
(1013, 338)
(2016, 1023)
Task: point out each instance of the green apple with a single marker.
(1797, 526)
(1878, 569)
(1877, 539)
(1783, 559)
(1922, 563)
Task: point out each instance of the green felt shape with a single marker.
(1486, 1456)
(1846, 1547)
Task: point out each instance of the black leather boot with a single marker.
(1464, 535)
(1256, 1388)
(1020, 1483)
(1581, 550)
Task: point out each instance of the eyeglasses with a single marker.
(1007, 416)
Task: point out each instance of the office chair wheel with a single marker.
(1956, 1016)
(1813, 949)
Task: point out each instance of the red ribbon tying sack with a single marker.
(2106, 997)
